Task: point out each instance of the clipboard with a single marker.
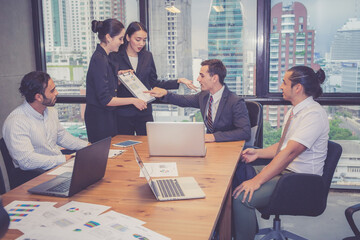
(135, 86)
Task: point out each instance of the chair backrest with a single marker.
(16, 176)
(331, 161)
(2, 183)
(6, 156)
(256, 119)
(304, 194)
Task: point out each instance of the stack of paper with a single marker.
(75, 220)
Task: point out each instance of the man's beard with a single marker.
(47, 102)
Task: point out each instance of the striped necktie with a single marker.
(209, 121)
(284, 132)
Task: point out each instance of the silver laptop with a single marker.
(176, 138)
(167, 189)
(89, 167)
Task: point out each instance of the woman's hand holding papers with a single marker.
(124, 71)
(139, 104)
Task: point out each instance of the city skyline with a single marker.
(326, 27)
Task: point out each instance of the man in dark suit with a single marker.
(225, 114)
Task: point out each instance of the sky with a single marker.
(324, 17)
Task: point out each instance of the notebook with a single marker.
(176, 138)
(167, 189)
(89, 167)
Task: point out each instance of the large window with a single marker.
(70, 43)
(184, 33)
(257, 40)
(301, 34)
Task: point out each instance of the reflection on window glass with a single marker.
(200, 30)
(70, 43)
(344, 124)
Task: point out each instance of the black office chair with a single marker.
(300, 194)
(349, 217)
(256, 119)
(16, 176)
(2, 183)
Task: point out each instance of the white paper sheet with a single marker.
(22, 212)
(165, 169)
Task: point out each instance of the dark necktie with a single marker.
(209, 116)
(284, 132)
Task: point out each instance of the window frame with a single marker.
(262, 93)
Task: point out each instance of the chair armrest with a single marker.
(349, 217)
(297, 194)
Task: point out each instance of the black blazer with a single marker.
(232, 118)
(145, 71)
(101, 83)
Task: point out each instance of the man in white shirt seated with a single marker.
(301, 149)
(32, 132)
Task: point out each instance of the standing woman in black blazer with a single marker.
(102, 83)
(133, 55)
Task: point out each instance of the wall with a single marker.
(16, 54)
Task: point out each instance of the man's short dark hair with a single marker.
(32, 84)
(216, 67)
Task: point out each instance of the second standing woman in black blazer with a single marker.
(102, 83)
(133, 55)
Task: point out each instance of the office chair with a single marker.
(300, 194)
(349, 217)
(2, 183)
(16, 176)
(256, 119)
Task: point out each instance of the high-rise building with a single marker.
(345, 53)
(346, 41)
(170, 44)
(291, 43)
(225, 40)
(119, 11)
(57, 26)
(70, 43)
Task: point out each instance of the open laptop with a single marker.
(89, 167)
(167, 189)
(176, 138)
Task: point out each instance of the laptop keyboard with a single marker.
(170, 188)
(62, 187)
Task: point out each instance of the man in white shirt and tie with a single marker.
(225, 114)
(32, 132)
(301, 149)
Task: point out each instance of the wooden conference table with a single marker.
(127, 193)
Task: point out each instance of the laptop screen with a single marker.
(141, 165)
(176, 138)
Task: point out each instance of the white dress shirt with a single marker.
(215, 105)
(33, 139)
(309, 127)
